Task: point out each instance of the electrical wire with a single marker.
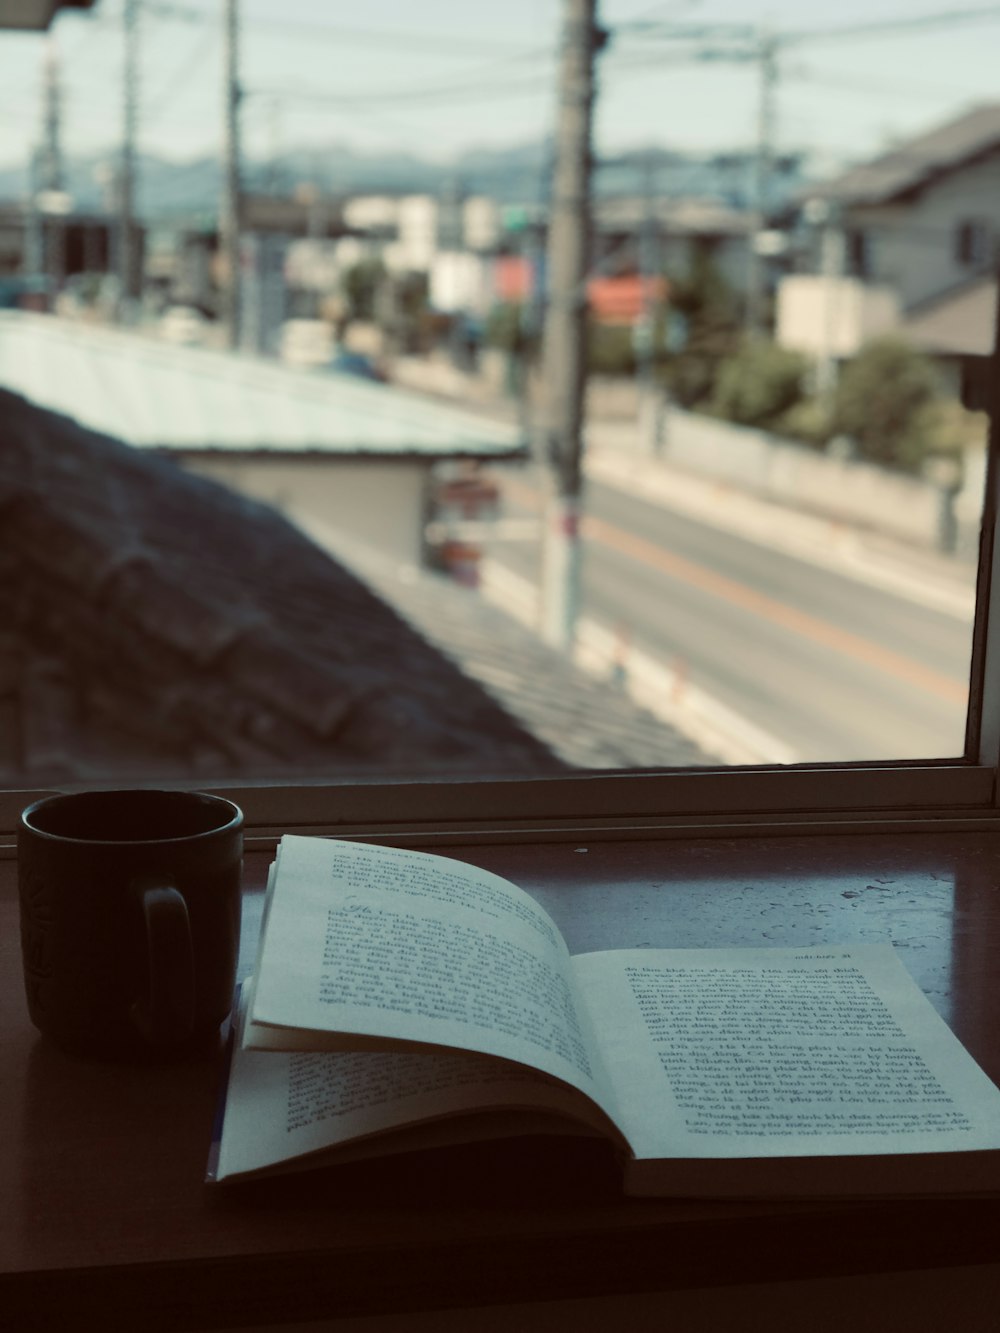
(180, 75)
(440, 43)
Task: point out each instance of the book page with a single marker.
(369, 946)
(782, 1052)
(282, 1106)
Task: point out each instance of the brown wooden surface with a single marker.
(103, 1210)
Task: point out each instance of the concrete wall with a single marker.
(904, 507)
(381, 503)
(907, 508)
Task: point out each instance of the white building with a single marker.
(358, 458)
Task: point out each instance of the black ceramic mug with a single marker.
(130, 919)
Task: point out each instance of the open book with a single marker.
(402, 999)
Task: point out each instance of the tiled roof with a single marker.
(590, 722)
(917, 160)
(155, 624)
(155, 395)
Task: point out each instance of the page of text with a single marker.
(782, 1052)
(282, 1106)
(404, 946)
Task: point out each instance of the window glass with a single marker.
(298, 483)
(972, 243)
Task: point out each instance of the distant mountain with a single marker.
(516, 174)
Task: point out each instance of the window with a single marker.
(382, 286)
(972, 243)
(859, 258)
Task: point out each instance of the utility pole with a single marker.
(564, 345)
(756, 307)
(274, 168)
(45, 176)
(650, 277)
(51, 199)
(128, 241)
(530, 319)
(831, 266)
(230, 205)
(33, 259)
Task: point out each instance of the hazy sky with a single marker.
(442, 75)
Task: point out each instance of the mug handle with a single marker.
(165, 1014)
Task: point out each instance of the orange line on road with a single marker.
(768, 608)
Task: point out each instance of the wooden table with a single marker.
(105, 1213)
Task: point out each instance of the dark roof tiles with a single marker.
(160, 625)
(157, 626)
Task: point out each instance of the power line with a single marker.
(429, 95)
(440, 43)
(893, 88)
(472, 82)
(892, 27)
(181, 73)
(751, 34)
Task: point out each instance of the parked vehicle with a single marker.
(357, 364)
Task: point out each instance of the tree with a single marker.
(760, 384)
(505, 327)
(883, 403)
(361, 283)
(709, 309)
(610, 348)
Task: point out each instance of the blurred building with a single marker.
(36, 15)
(358, 457)
(41, 251)
(907, 241)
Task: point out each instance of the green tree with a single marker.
(610, 348)
(710, 311)
(760, 384)
(361, 283)
(504, 327)
(883, 403)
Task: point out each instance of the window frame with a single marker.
(692, 802)
(859, 252)
(886, 795)
(972, 241)
(960, 792)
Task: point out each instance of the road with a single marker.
(830, 663)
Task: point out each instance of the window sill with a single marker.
(102, 1166)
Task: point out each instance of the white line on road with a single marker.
(823, 542)
(664, 690)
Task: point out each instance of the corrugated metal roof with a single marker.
(910, 163)
(154, 395)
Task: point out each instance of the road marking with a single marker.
(768, 608)
(823, 542)
(663, 690)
